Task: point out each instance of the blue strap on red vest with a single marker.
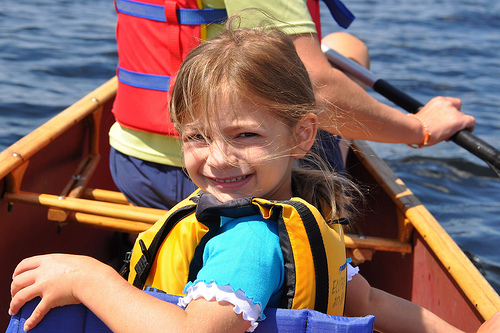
(79, 319)
(184, 15)
(142, 80)
(339, 11)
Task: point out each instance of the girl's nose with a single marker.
(220, 155)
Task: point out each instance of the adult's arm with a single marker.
(351, 112)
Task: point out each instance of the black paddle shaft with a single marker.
(463, 138)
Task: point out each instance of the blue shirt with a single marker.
(246, 255)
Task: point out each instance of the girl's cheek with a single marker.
(194, 157)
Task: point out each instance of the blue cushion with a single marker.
(79, 319)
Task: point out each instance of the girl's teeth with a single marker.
(231, 180)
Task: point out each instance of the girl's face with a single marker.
(248, 155)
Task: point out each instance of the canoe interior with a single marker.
(417, 276)
(26, 230)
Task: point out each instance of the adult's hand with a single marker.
(443, 118)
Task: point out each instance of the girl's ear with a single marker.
(305, 134)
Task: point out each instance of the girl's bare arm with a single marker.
(66, 279)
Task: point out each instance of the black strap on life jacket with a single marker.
(143, 266)
(208, 212)
(318, 252)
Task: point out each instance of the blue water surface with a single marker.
(54, 52)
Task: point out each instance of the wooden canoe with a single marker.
(58, 196)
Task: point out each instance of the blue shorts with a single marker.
(149, 184)
(327, 148)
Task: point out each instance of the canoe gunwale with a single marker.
(479, 292)
(21, 151)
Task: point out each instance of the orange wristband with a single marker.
(427, 133)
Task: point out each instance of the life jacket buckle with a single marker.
(126, 265)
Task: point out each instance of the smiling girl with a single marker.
(244, 106)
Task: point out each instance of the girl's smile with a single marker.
(229, 181)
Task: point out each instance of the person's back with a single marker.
(145, 160)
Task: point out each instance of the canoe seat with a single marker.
(360, 246)
(111, 210)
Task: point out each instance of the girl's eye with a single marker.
(195, 137)
(247, 134)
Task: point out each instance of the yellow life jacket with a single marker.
(169, 254)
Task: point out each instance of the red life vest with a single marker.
(151, 45)
(153, 37)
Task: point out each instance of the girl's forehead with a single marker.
(231, 110)
(228, 116)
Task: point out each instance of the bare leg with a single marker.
(350, 47)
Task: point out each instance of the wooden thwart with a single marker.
(92, 207)
(109, 214)
(105, 195)
(377, 243)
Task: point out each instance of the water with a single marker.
(54, 52)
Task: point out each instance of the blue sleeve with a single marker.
(246, 255)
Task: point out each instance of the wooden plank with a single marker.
(105, 195)
(133, 219)
(133, 213)
(377, 243)
(109, 223)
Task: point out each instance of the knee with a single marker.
(349, 46)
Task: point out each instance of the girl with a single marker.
(245, 109)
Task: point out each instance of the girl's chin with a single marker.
(223, 197)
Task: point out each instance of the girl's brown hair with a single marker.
(260, 65)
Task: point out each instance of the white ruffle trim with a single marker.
(351, 271)
(242, 304)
